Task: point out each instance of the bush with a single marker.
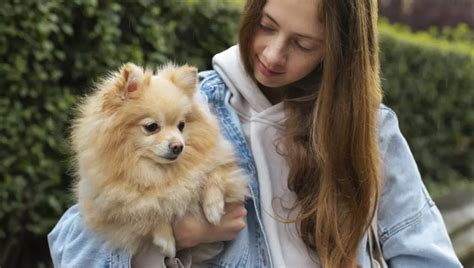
(460, 33)
(429, 83)
(51, 52)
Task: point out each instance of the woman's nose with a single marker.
(275, 53)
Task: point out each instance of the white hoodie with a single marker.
(262, 125)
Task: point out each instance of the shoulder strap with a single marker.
(374, 245)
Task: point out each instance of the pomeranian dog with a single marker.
(147, 153)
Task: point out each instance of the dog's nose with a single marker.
(176, 147)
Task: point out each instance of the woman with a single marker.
(300, 99)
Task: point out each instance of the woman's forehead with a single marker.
(299, 17)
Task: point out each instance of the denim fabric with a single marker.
(71, 244)
(250, 248)
(411, 230)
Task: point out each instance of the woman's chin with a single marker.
(268, 82)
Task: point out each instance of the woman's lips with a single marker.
(265, 70)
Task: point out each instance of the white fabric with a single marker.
(262, 124)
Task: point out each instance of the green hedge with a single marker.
(460, 33)
(430, 84)
(52, 51)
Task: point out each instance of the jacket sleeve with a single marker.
(411, 230)
(71, 244)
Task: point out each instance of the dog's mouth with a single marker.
(170, 158)
(164, 158)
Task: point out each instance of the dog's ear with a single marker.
(133, 80)
(185, 77)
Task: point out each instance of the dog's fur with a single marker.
(129, 187)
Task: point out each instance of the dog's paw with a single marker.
(214, 211)
(166, 246)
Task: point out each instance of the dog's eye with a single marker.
(181, 126)
(151, 127)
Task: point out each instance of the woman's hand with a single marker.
(190, 231)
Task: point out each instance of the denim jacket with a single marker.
(410, 228)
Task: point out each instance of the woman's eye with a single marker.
(265, 28)
(181, 126)
(300, 46)
(152, 127)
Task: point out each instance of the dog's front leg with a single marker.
(213, 203)
(163, 238)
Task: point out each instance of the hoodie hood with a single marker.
(247, 98)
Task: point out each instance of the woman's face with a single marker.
(288, 44)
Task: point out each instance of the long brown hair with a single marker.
(330, 141)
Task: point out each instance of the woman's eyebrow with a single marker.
(315, 38)
(270, 17)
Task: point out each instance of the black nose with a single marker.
(176, 147)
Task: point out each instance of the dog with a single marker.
(146, 153)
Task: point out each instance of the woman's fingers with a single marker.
(232, 222)
(235, 210)
(190, 231)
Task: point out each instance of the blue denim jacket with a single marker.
(411, 230)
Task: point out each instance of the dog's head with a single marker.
(149, 112)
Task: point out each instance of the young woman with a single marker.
(300, 99)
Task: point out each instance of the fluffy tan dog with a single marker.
(147, 153)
